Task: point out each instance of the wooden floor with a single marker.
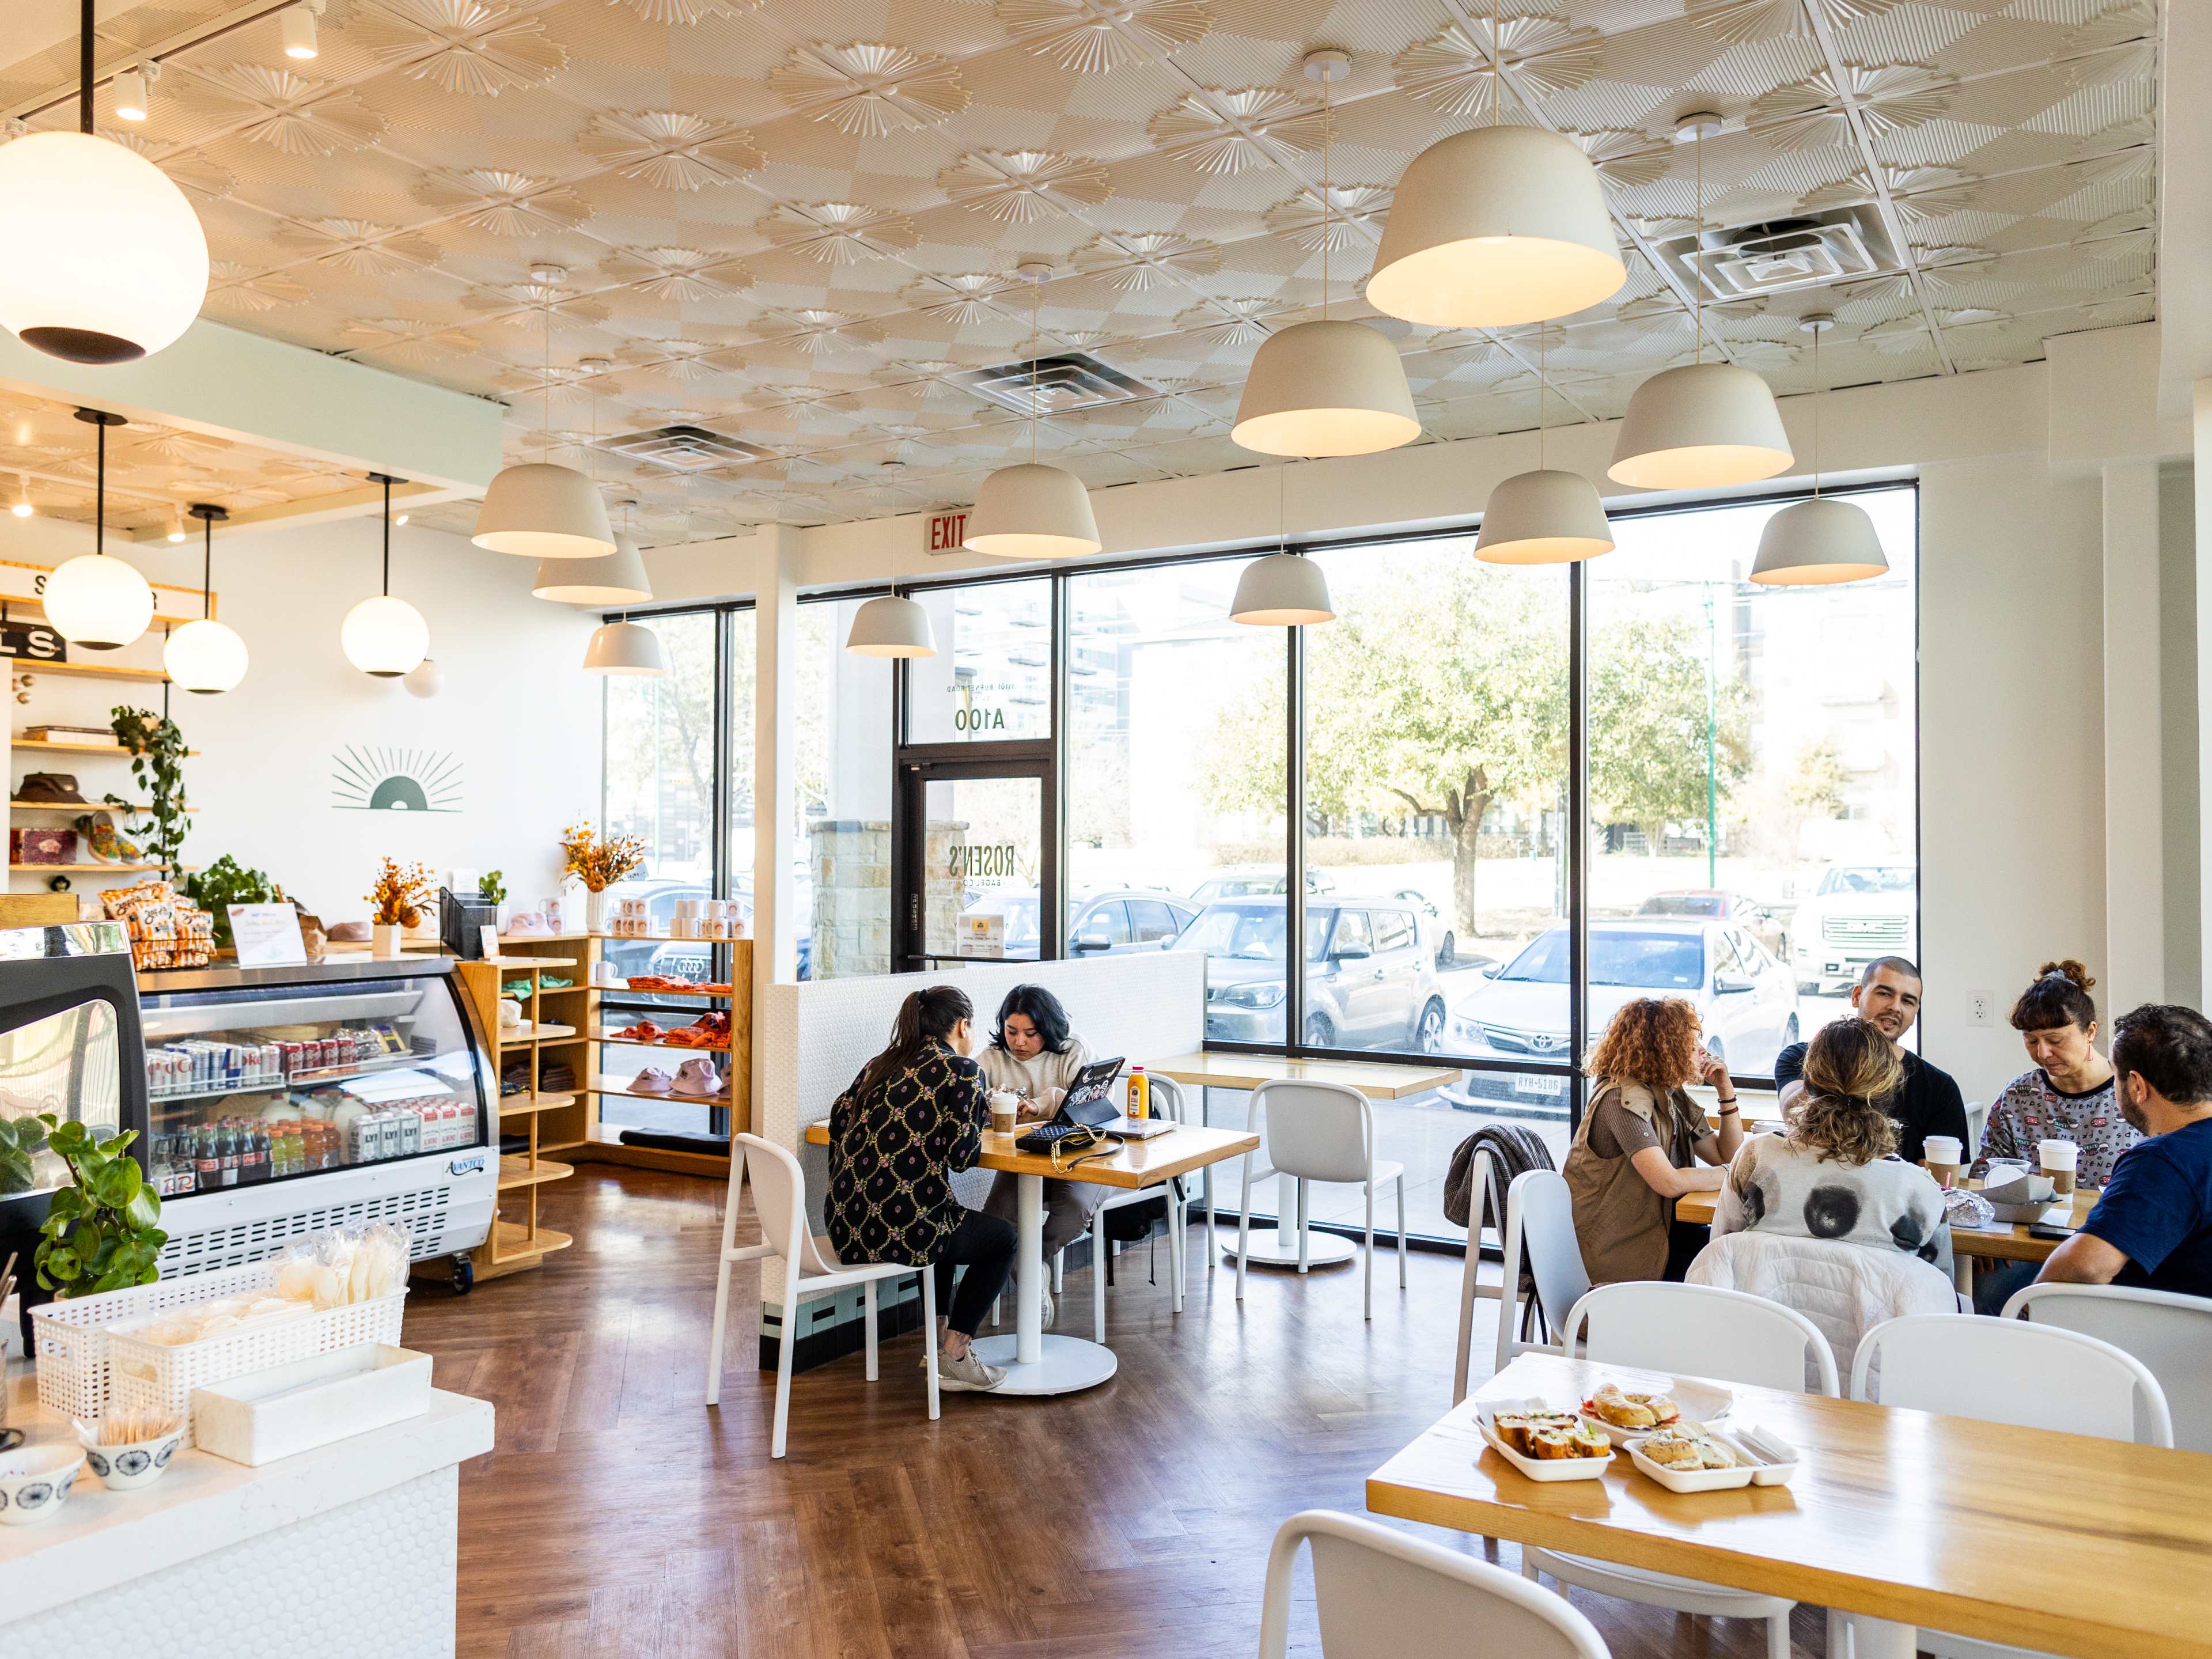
(618, 1515)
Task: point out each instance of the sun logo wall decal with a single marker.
(395, 780)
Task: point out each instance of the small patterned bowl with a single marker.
(127, 1468)
(35, 1482)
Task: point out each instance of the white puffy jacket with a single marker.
(1846, 1290)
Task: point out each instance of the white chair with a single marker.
(1977, 1119)
(811, 1268)
(1483, 1198)
(1845, 1290)
(1540, 1230)
(1692, 1330)
(2010, 1370)
(2169, 1332)
(1380, 1595)
(1167, 1102)
(1319, 1132)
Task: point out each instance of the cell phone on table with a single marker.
(2043, 1230)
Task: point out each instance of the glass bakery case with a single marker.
(269, 1075)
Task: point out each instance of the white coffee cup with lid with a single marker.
(1943, 1154)
(2058, 1159)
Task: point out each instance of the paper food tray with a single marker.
(1701, 1402)
(1536, 1468)
(1756, 1468)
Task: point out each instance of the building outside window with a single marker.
(843, 798)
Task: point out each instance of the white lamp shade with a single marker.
(205, 657)
(1700, 427)
(384, 637)
(1546, 517)
(96, 601)
(1495, 226)
(1032, 512)
(624, 647)
(1817, 542)
(891, 627)
(1282, 591)
(111, 264)
(1325, 388)
(426, 679)
(540, 511)
(619, 578)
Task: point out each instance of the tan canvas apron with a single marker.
(1621, 1222)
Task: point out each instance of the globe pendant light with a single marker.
(1285, 589)
(1822, 541)
(1030, 511)
(1496, 225)
(384, 637)
(95, 601)
(1325, 388)
(111, 264)
(206, 656)
(1543, 517)
(426, 679)
(536, 510)
(1705, 425)
(891, 625)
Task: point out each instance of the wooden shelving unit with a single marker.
(30, 751)
(114, 869)
(598, 1142)
(40, 746)
(99, 671)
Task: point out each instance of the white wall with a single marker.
(517, 714)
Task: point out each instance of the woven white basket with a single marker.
(71, 1337)
(155, 1378)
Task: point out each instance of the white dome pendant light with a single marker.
(111, 264)
(1705, 425)
(1543, 517)
(1497, 226)
(383, 636)
(1285, 589)
(1822, 541)
(891, 625)
(619, 578)
(1030, 511)
(1325, 388)
(628, 648)
(206, 656)
(93, 600)
(534, 509)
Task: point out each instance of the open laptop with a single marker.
(1089, 1104)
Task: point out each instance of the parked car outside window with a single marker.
(1370, 981)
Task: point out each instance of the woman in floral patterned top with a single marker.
(913, 1118)
(2067, 1095)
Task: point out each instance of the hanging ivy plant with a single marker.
(157, 755)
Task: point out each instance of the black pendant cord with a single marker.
(100, 490)
(84, 70)
(388, 538)
(207, 568)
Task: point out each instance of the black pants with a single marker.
(1684, 1240)
(985, 1246)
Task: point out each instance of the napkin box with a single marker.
(2017, 1195)
(264, 1415)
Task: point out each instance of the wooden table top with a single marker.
(1138, 1163)
(2002, 1244)
(2095, 1548)
(1379, 1080)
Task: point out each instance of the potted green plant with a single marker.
(157, 753)
(225, 882)
(491, 887)
(99, 1232)
(21, 1140)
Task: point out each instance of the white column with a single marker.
(2134, 885)
(2201, 446)
(776, 733)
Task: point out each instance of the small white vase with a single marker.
(596, 909)
(385, 941)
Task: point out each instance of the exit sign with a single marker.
(946, 531)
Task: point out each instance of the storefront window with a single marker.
(843, 798)
(659, 766)
(991, 679)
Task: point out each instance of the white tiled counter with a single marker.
(348, 1550)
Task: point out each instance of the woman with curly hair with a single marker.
(1643, 1141)
(1832, 1172)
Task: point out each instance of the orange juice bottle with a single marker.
(1140, 1093)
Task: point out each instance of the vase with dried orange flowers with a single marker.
(599, 861)
(400, 894)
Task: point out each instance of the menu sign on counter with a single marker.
(267, 936)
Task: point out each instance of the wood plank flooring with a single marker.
(619, 1516)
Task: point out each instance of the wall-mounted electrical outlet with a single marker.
(1981, 1008)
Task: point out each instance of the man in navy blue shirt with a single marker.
(2152, 1226)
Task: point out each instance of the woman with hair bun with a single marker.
(1832, 1172)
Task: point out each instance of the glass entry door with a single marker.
(977, 878)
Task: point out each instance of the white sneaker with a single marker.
(968, 1373)
(1045, 1311)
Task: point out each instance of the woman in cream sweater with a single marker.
(1034, 1055)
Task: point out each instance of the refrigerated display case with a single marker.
(284, 1101)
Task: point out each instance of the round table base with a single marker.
(1069, 1364)
(1280, 1250)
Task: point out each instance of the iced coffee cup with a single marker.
(2058, 1159)
(1943, 1154)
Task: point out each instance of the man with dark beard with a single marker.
(1928, 1101)
(2152, 1226)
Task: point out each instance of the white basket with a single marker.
(71, 1337)
(159, 1379)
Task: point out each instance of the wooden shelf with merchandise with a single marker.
(530, 1104)
(515, 1171)
(36, 746)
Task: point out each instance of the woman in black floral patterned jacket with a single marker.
(913, 1118)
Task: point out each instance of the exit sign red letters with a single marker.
(947, 531)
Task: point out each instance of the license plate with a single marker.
(1546, 1088)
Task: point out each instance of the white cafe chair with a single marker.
(1694, 1330)
(1167, 1102)
(1380, 1595)
(1540, 1231)
(1977, 1119)
(1483, 1199)
(1319, 1132)
(2032, 1375)
(811, 1268)
(2171, 1332)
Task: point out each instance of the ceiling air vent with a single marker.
(1071, 380)
(1840, 246)
(685, 448)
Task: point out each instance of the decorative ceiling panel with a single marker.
(793, 220)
